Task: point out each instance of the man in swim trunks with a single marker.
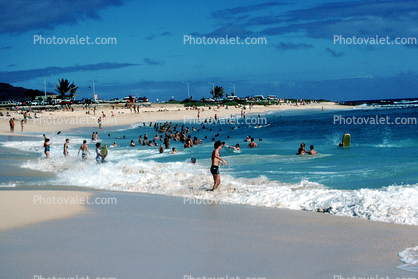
(214, 169)
(85, 149)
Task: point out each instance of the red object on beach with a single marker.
(66, 103)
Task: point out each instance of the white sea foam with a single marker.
(8, 184)
(128, 171)
(410, 259)
(396, 204)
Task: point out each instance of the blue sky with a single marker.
(299, 58)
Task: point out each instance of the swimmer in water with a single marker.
(301, 150)
(236, 147)
(312, 151)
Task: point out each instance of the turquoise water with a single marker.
(379, 156)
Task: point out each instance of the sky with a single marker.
(291, 49)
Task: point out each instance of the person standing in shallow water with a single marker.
(214, 169)
(84, 150)
(167, 142)
(66, 147)
(47, 143)
(99, 156)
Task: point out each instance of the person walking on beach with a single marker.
(21, 124)
(47, 143)
(12, 125)
(214, 169)
(100, 122)
(67, 141)
(84, 148)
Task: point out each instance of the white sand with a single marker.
(20, 208)
(64, 120)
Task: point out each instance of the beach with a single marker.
(61, 120)
(184, 231)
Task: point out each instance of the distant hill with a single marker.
(9, 92)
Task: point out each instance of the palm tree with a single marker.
(73, 90)
(64, 87)
(217, 92)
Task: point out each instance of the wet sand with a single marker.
(151, 236)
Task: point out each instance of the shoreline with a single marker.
(48, 122)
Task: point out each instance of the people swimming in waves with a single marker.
(312, 150)
(174, 150)
(252, 144)
(236, 147)
(114, 144)
(301, 150)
